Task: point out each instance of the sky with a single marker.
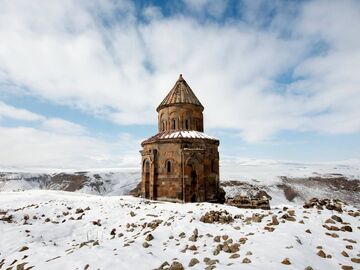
(80, 80)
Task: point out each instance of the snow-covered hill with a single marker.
(285, 182)
(63, 230)
(109, 182)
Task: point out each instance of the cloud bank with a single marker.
(258, 68)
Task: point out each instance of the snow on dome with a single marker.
(186, 134)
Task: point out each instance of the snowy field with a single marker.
(267, 172)
(118, 181)
(63, 230)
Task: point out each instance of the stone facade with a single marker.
(180, 163)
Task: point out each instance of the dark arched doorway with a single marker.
(193, 186)
(147, 179)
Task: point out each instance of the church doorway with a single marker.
(147, 178)
(193, 186)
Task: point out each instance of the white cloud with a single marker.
(61, 52)
(18, 114)
(55, 125)
(62, 126)
(33, 148)
(58, 143)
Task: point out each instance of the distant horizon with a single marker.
(234, 169)
(80, 81)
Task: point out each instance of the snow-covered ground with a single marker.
(49, 231)
(267, 172)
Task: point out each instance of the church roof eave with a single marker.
(181, 134)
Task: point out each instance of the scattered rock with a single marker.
(350, 240)
(193, 261)
(155, 223)
(346, 228)
(211, 262)
(79, 211)
(329, 220)
(97, 222)
(291, 212)
(234, 248)
(193, 238)
(288, 217)
(257, 217)
(286, 261)
(192, 247)
(321, 253)
(246, 260)
(337, 218)
(21, 266)
(163, 265)
(234, 256)
(217, 238)
(217, 217)
(269, 229)
(331, 228)
(146, 245)
(8, 219)
(243, 240)
(327, 203)
(23, 248)
(176, 266)
(274, 220)
(149, 237)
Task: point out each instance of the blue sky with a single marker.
(80, 80)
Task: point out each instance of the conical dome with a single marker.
(181, 93)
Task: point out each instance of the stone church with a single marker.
(180, 163)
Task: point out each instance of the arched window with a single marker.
(168, 166)
(163, 126)
(197, 124)
(186, 124)
(173, 124)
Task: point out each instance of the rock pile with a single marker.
(217, 216)
(247, 202)
(324, 203)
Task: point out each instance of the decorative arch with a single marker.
(174, 120)
(186, 120)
